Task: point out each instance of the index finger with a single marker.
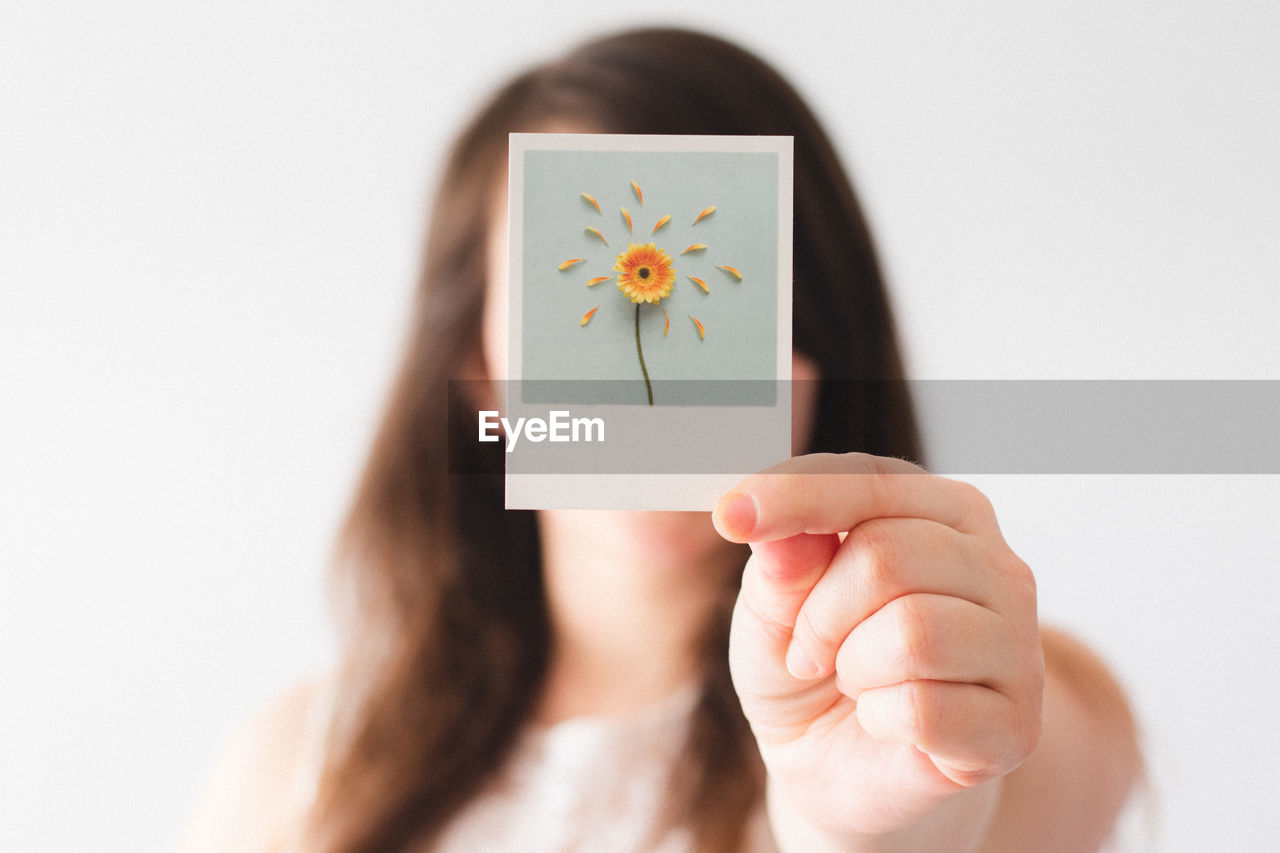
(833, 493)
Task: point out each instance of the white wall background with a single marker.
(209, 217)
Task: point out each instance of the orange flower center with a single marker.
(645, 273)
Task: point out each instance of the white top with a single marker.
(587, 784)
(584, 784)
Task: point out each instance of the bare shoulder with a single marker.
(246, 802)
(1067, 795)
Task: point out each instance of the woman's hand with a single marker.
(885, 649)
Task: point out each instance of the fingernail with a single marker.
(740, 514)
(799, 664)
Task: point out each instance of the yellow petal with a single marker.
(626, 217)
(663, 221)
(696, 247)
(700, 283)
(710, 210)
(599, 279)
(667, 327)
(564, 265)
(586, 318)
(593, 203)
(731, 271)
(702, 332)
(596, 232)
(639, 195)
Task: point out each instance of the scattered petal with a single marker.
(663, 221)
(564, 265)
(626, 217)
(700, 283)
(586, 318)
(702, 332)
(599, 279)
(639, 195)
(704, 214)
(593, 203)
(667, 327)
(596, 233)
(696, 247)
(731, 271)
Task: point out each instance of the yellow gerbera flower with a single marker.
(645, 273)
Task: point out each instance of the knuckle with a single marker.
(1023, 574)
(976, 501)
(882, 477)
(911, 636)
(875, 550)
(862, 462)
(892, 465)
(918, 712)
(1020, 578)
(887, 486)
(1010, 571)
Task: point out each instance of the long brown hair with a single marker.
(445, 626)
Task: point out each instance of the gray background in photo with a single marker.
(740, 317)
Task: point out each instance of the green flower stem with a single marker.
(640, 351)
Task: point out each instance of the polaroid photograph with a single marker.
(649, 319)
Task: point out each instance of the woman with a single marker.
(873, 679)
